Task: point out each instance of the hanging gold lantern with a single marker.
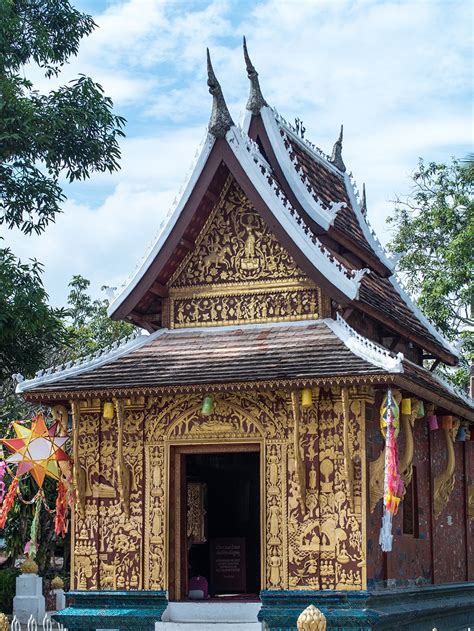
(109, 410)
(207, 405)
(306, 398)
(406, 406)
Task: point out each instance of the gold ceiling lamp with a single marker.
(109, 410)
(306, 398)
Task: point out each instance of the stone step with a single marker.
(208, 626)
(213, 612)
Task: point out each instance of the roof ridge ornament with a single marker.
(336, 157)
(221, 120)
(255, 101)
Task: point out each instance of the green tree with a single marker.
(83, 327)
(433, 235)
(90, 329)
(30, 330)
(70, 131)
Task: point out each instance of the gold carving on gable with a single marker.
(239, 273)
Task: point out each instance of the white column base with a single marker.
(29, 599)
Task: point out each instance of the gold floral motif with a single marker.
(325, 542)
(103, 536)
(249, 307)
(235, 245)
(121, 536)
(276, 532)
(84, 564)
(155, 540)
(238, 273)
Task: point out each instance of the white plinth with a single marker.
(29, 599)
(60, 599)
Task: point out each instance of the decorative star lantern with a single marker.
(37, 450)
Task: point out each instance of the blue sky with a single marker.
(397, 74)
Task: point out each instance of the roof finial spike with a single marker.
(255, 101)
(363, 205)
(336, 157)
(221, 120)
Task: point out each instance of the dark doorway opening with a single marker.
(223, 522)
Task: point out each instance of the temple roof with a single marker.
(325, 352)
(343, 281)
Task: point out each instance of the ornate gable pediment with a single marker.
(238, 272)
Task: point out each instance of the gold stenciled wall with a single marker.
(239, 273)
(108, 545)
(318, 544)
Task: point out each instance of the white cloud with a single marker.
(397, 74)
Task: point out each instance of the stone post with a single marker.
(58, 590)
(29, 599)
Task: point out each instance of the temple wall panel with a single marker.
(442, 537)
(326, 522)
(312, 507)
(85, 565)
(376, 570)
(411, 555)
(117, 539)
(449, 532)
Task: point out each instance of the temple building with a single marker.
(233, 452)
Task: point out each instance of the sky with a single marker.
(397, 74)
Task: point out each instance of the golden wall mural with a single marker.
(238, 272)
(108, 543)
(318, 545)
(326, 537)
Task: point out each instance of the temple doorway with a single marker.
(216, 551)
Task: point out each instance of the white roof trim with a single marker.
(321, 215)
(320, 157)
(165, 228)
(456, 391)
(89, 363)
(246, 152)
(315, 152)
(421, 316)
(369, 233)
(365, 348)
(246, 120)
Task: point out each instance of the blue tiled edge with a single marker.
(401, 609)
(87, 611)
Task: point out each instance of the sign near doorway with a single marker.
(228, 571)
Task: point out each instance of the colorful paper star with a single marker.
(37, 450)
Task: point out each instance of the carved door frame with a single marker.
(177, 549)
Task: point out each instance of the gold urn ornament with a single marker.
(311, 619)
(4, 623)
(57, 583)
(29, 566)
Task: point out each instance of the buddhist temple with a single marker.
(272, 440)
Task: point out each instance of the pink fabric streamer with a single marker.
(3, 468)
